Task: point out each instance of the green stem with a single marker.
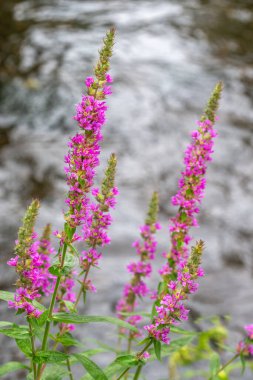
(137, 373)
(51, 308)
(123, 373)
(225, 366)
(69, 367)
(82, 286)
(129, 343)
(33, 349)
(138, 355)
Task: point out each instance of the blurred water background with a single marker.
(167, 58)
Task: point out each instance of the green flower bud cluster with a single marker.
(25, 232)
(213, 103)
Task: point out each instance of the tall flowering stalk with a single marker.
(100, 220)
(141, 269)
(81, 163)
(83, 157)
(181, 271)
(29, 265)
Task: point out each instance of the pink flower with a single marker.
(249, 330)
(13, 261)
(89, 81)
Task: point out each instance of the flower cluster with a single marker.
(83, 157)
(171, 309)
(100, 219)
(31, 262)
(141, 269)
(191, 188)
(246, 347)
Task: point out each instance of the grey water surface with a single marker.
(167, 58)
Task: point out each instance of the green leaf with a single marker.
(178, 330)
(25, 346)
(144, 341)
(69, 264)
(4, 324)
(11, 367)
(110, 371)
(95, 351)
(42, 318)
(49, 357)
(74, 249)
(214, 365)
(92, 368)
(54, 372)
(102, 344)
(76, 319)
(157, 347)
(56, 270)
(16, 332)
(69, 231)
(70, 306)
(6, 296)
(127, 360)
(143, 313)
(38, 330)
(88, 353)
(38, 305)
(175, 345)
(70, 261)
(154, 312)
(67, 340)
(242, 358)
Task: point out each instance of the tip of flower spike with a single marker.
(195, 259)
(47, 232)
(98, 87)
(213, 103)
(153, 210)
(25, 232)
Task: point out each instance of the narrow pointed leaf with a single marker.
(179, 330)
(91, 367)
(77, 319)
(157, 347)
(127, 360)
(214, 365)
(25, 346)
(11, 367)
(49, 357)
(6, 296)
(15, 331)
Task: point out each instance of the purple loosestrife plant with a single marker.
(30, 265)
(140, 270)
(82, 161)
(50, 285)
